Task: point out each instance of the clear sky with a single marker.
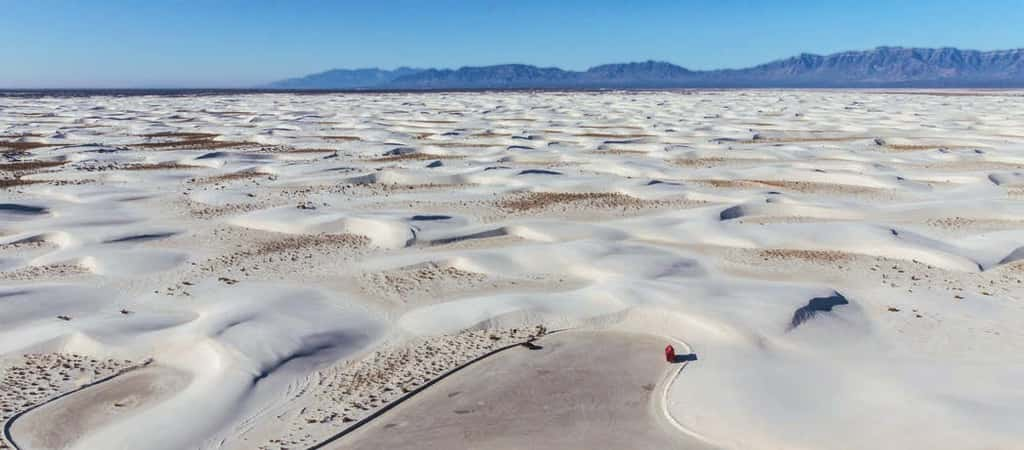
(238, 43)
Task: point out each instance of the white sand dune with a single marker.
(847, 265)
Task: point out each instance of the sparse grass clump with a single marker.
(189, 140)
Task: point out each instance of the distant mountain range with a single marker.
(879, 67)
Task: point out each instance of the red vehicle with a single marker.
(670, 353)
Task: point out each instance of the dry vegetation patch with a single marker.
(190, 140)
(16, 181)
(341, 138)
(807, 187)
(406, 281)
(45, 272)
(204, 211)
(449, 144)
(817, 256)
(231, 176)
(491, 134)
(960, 223)
(612, 135)
(16, 146)
(620, 151)
(814, 187)
(14, 171)
(920, 147)
(714, 161)
(168, 165)
(25, 166)
(434, 121)
(727, 184)
(293, 252)
(414, 156)
(799, 139)
(533, 201)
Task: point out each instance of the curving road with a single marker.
(593, 390)
(61, 421)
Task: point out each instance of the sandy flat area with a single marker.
(848, 265)
(596, 390)
(59, 423)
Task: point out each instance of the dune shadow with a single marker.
(22, 209)
(816, 305)
(685, 358)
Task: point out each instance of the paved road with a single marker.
(582, 390)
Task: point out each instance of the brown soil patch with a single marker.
(620, 151)
(22, 146)
(514, 119)
(285, 248)
(416, 156)
(204, 211)
(807, 187)
(795, 140)
(48, 271)
(434, 121)
(341, 138)
(1016, 266)
(829, 256)
(613, 136)
(612, 127)
(811, 187)
(229, 113)
(189, 140)
(290, 149)
(180, 135)
(600, 200)
(968, 165)
(14, 182)
(448, 144)
(233, 176)
(308, 150)
(488, 134)
(25, 166)
(406, 281)
(920, 147)
(728, 184)
(958, 222)
(169, 165)
(716, 162)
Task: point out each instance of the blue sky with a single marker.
(234, 43)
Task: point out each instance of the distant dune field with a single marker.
(838, 269)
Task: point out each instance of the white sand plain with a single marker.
(847, 265)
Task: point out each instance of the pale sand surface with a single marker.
(59, 423)
(849, 265)
(581, 390)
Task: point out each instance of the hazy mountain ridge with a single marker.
(345, 78)
(879, 67)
